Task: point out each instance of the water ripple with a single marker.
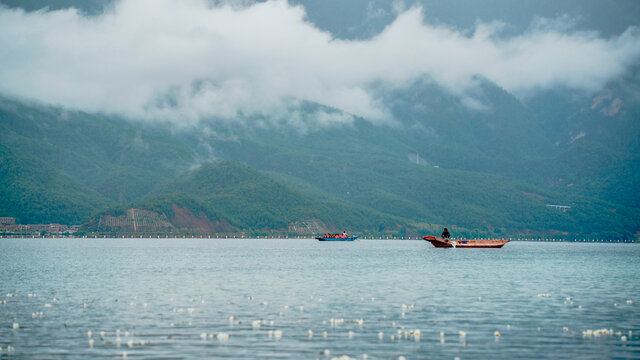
(292, 299)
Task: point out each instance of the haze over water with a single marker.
(164, 298)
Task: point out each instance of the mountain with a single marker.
(365, 18)
(119, 159)
(481, 159)
(226, 197)
(392, 184)
(35, 192)
(89, 7)
(596, 141)
(427, 171)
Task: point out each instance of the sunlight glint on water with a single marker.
(144, 299)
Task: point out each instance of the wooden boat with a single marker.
(351, 238)
(463, 243)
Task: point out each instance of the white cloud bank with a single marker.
(185, 60)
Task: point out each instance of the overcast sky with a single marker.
(184, 60)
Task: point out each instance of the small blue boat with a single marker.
(350, 238)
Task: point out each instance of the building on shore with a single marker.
(8, 226)
(7, 221)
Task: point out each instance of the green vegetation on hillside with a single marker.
(417, 193)
(439, 164)
(34, 192)
(119, 159)
(250, 200)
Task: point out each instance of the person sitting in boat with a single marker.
(344, 235)
(445, 234)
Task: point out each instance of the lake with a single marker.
(304, 299)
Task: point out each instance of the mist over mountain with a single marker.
(366, 18)
(188, 61)
(371, 116)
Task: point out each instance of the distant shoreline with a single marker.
(301, 237)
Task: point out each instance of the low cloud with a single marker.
(188, 60)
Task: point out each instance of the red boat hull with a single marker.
(462, 243)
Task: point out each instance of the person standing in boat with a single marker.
(445, 234)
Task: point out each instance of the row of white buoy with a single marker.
(606, 332)
(222, 337)
(134, 304)
(407, 334)
(415, 334)
(327, 352)
(568, 300)
(118, 340)
(372, 299)
(9, 349)
(277, 334)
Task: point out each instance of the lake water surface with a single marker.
(304, 299)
